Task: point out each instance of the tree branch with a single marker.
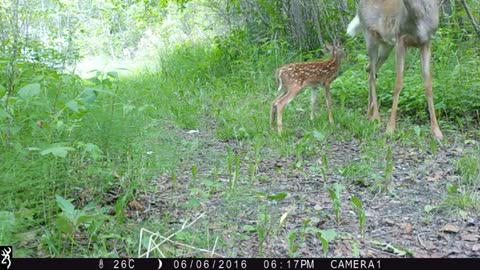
(472, 20)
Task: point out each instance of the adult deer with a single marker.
(293, 78)
(400, 24)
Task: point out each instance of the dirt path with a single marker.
(407, 220)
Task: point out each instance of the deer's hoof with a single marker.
(390, 129)
(374, 117)
(437, 133)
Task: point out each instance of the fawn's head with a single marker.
(336, 50)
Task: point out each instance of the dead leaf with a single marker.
(135, 205)
(116, 175)
(469, 237)
(283, 217)
(318, 207)
(407, 228)
(436, 177)
(83, 195)
(450, 228)
(389, 221)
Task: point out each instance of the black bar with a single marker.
(241, 264)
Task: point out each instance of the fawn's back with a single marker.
(308, 74)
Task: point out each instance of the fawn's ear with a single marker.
(329, 47)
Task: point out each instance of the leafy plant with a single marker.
(70, 219)
(292, 245)
(324, 169)
(357, 204)
(326, 237)
(263, 230)
(335, 196)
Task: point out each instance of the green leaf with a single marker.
(332, 194)
(338, 188)
(356, 202)
(3, 90)
(428, 208)
(277, 197)
(83, 218)
(7, 222)
(325, 244)
(112, 74)
(29, 90)
(4, 114)
(94, 150)
(417, 131)
(319, 136)
(193, 203)
(329, 235)
(452, 189)
(64, 225)
(65, 205)
(58, 151)
(73, 105)
(249, 228)
(89, 95)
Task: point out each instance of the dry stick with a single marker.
(184, 226)
(472, 20)
(214, 246)
(191, 247)
(421, 242)
(141, 237)
(152, 239)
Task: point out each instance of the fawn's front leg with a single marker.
(313, 111)
(328, 99)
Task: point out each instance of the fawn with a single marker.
(293, 78)
(400, 24)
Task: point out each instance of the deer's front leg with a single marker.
(425, 54)
(400, 65)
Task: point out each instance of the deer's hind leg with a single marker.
(400, 51)
(373, 48)
(282, 101)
